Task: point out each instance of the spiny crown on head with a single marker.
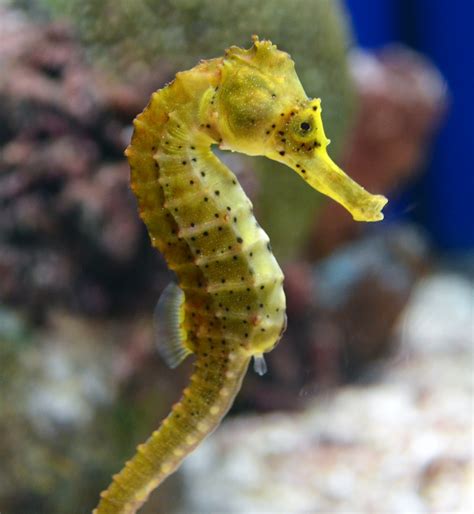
(261, 101)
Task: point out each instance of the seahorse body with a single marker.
(200, 219)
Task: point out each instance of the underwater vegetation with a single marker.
(133, 38)
(230, 304)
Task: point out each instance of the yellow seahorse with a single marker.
(230, 304)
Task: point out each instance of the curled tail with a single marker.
(214, 384)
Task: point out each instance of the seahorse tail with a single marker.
(214, 384)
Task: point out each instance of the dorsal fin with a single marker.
(169, 332)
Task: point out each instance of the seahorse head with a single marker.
(263, 110)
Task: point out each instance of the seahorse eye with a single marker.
(303, 127)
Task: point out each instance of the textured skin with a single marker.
(200, 219)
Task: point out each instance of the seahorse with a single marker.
(229, 305)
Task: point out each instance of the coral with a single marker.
(69, 233)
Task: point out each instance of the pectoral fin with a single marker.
(169, 332)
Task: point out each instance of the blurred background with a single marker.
(367, 405)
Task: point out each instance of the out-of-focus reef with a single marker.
(133, 38)
(69, 232)
(402, 443)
